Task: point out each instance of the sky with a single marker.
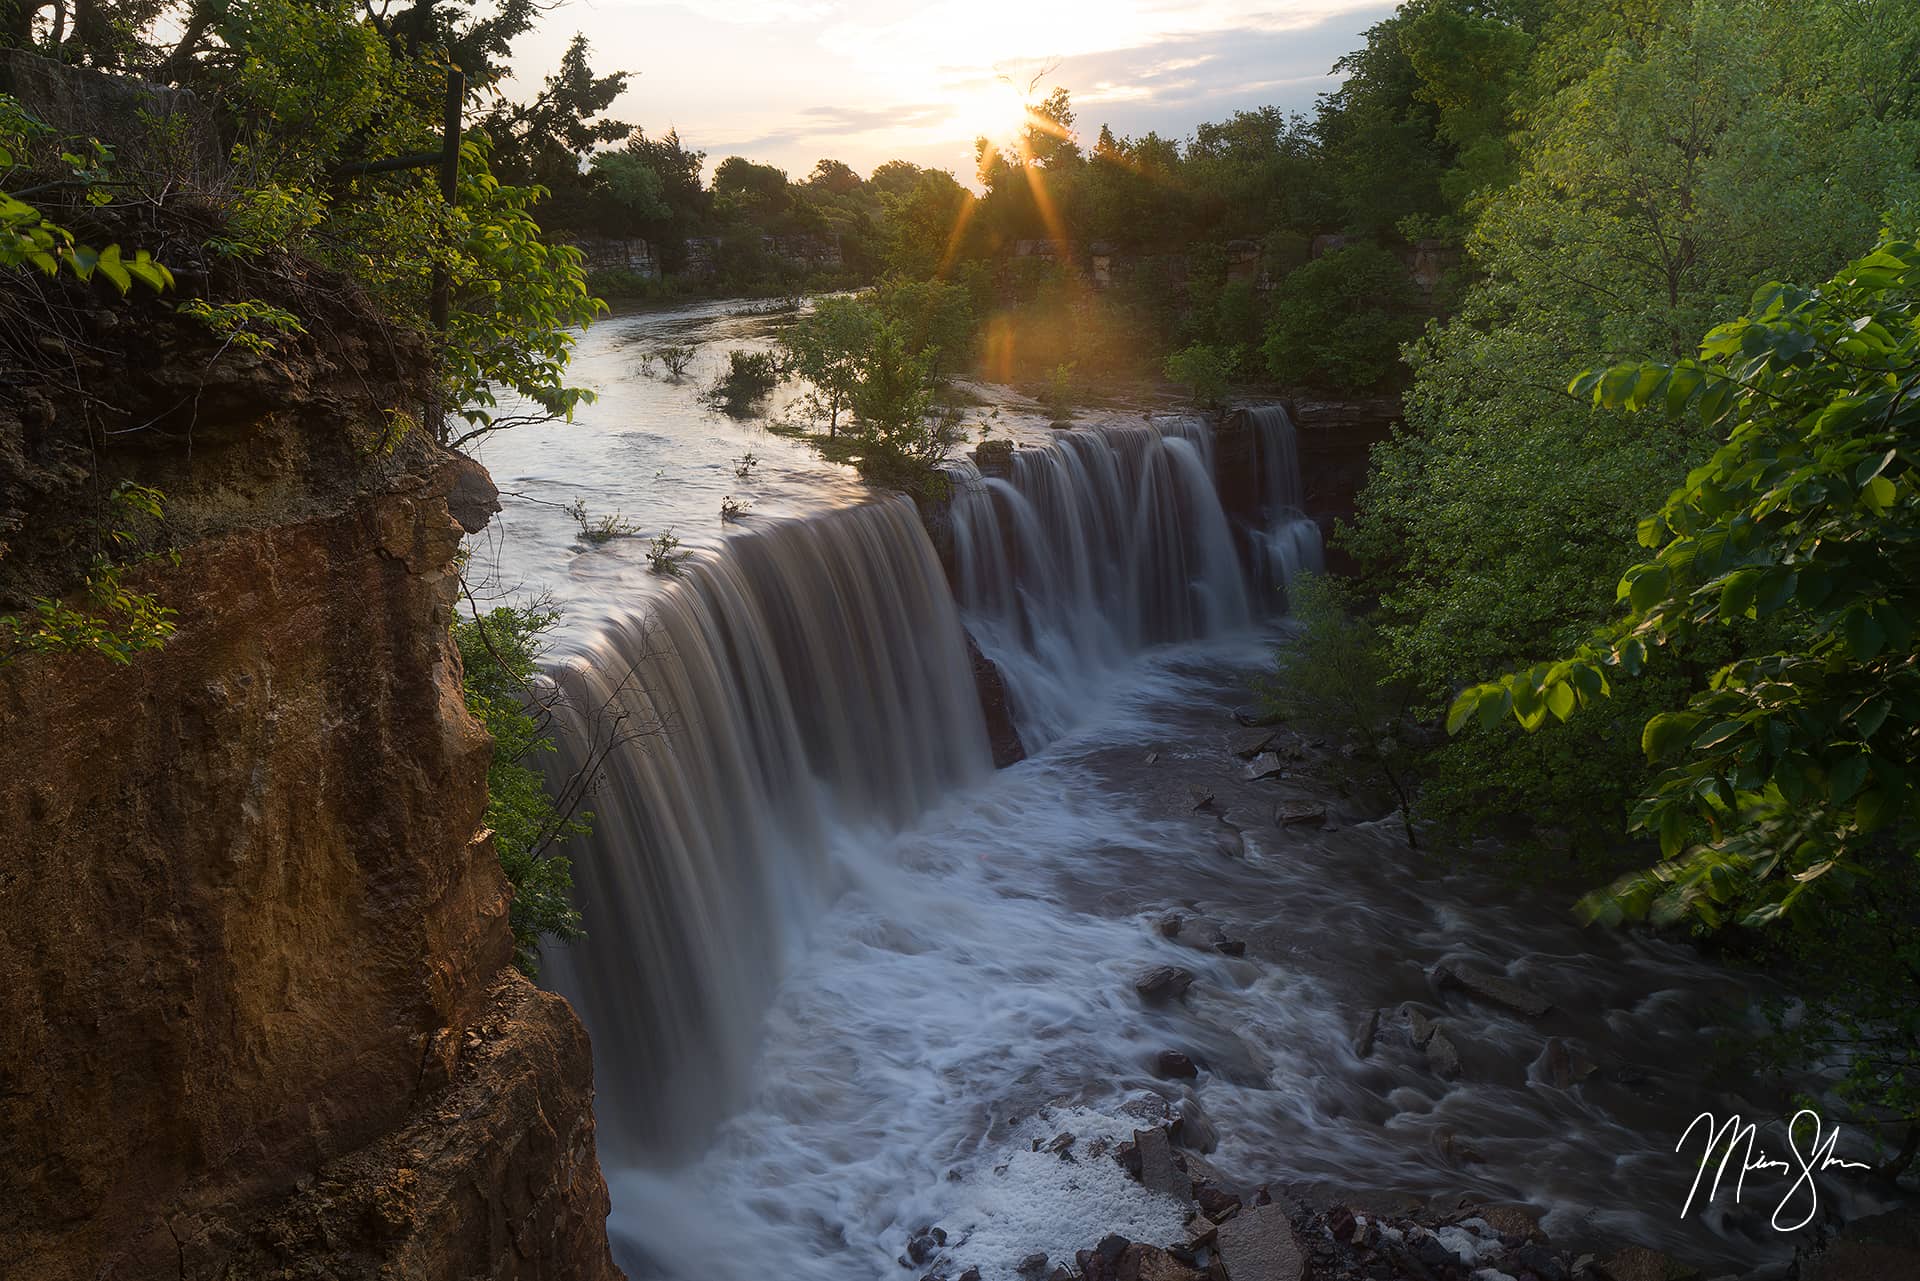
(788, 82)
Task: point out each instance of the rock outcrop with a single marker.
(252, 938)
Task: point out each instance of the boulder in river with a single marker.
(1143, 1262)
(1302, 812)
(1258, 1244)
(1562, 1066)
(1164, 982)
(1491, 988)
(1443, 1056)
(1420, 1028)
(1363, 1036)
(1256, 716)
(1172, 1065)
(1199, 933)
(1033, 1265)
(1637, 1263)
(1158, 1173)
(1249, 743)
(1265, 765)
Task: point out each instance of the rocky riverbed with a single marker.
(1255, 791)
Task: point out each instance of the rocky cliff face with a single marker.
(253, 945)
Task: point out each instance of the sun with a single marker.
(994, 109)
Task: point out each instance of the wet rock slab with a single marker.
(1158, 1173)
(1491, 988)
(1258, 1244)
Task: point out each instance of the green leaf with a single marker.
(1494, 707)
(1737, 595)
(1776, 592)
(1872, 716)
(1865, 636)
(1878, 494)
(1464, 707)
(1560, 700)
(111, 268)
(1873, 810)
(1844, 779)
(1648, 588)
(1717, 734)
(1667, 733)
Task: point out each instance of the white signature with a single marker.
(1733, 1134)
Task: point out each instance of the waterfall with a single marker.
(808, 685)
(809, 680)
(1288, 542)
(1110, 539)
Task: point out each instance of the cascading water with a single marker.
(1288, 542)
(838, 970)
(1111, 539)
(808, 681)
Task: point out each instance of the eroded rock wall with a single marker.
(253, 942)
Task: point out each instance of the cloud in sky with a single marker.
(791, 81)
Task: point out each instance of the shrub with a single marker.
(664, 554)
(499, 655)
(673, 357)
(600, 529)
(1205, 370)
(1332, 678)
(750, 376)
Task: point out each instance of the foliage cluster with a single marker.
(499, 654)
(883, 360)
(1788, 781)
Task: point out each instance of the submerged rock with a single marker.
(1247, 744)
(1164, 983)
(1194, 1129)
(1491, 988)
(1364, 1035)
(1265, 765)
(1442, 1056)
(1173, 1065)
(1562, 1066)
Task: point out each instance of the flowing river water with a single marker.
(841, 973)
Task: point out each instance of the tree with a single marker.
(936, 321)
(1338, 322)
(633, 185)
(750, 185)
(547, 140)
(1206, 371)
(926, 226)
(835, 177)
(664, 208)
(1672, 166)
(899, 436)
(825, 347)
(1789, 788)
